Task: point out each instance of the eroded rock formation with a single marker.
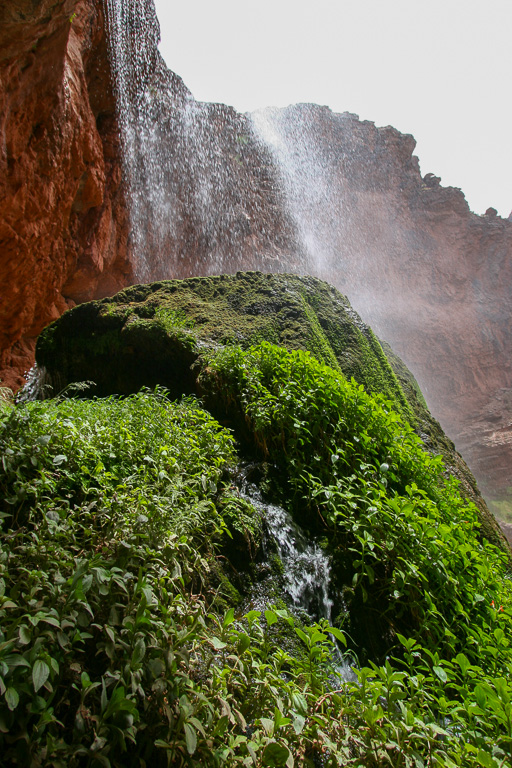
(157, 334)
(63, 234)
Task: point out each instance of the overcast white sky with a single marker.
(439, 69)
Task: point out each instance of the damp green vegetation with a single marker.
(502, 508)
(156, 334)
(295, 312)
(127, 635)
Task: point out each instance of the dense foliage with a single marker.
(118, 645)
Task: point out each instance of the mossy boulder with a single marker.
(152, 334)
(157, 334)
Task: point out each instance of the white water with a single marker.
(308, 177)
(200, 195)
(306, 567)
(133, 38)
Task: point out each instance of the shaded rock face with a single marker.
(300, 190)
(63, 234)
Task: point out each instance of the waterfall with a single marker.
(133, 34)
(307, 174)
(203, 195)
(306, 567)
(204, 192)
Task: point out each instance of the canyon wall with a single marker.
(431, 277)
(299, 190)
(63, 233)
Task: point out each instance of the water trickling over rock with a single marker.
(133, 39)
(306, 567)
(431, 277)
(203, 197)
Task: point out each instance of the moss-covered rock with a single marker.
(152, 334)
(156, 334)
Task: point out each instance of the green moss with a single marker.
(246, 308)
(155, 334)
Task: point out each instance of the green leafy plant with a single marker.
(118, 643)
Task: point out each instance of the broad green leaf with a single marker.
(268, 725)
(25, 634)
(300, 703)
(275, 755)
(244, 642)
(486, 760)
(252, 752)
(138, 652)
(338, 634)
(40, 674)
(50, 620)
(229, 618)
(12, 698)
(463, 662)
(252, 616)
(271, 617)
(148, 594)
(441, 674)
(298, 724)
(190, 738)
(480, 696)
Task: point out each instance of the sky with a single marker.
(439, 69)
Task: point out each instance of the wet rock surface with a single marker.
(62, 220)
(158, 335)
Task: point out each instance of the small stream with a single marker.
(306, 567)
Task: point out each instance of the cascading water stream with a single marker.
(308, 181)
(133, 35)
(306, 567)
(203, 198)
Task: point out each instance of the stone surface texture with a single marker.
(63, 236)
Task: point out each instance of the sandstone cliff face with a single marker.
(62, 224)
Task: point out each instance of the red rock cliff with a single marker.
(62, 214)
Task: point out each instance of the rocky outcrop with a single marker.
(430, 276)
(158, 334)
(63, 233)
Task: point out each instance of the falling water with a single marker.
(308, 175)
(133, 38)
(203, 197)
(306, 567)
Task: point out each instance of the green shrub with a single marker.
(117, 646)
(405, 543)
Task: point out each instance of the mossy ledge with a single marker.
(155, 334)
